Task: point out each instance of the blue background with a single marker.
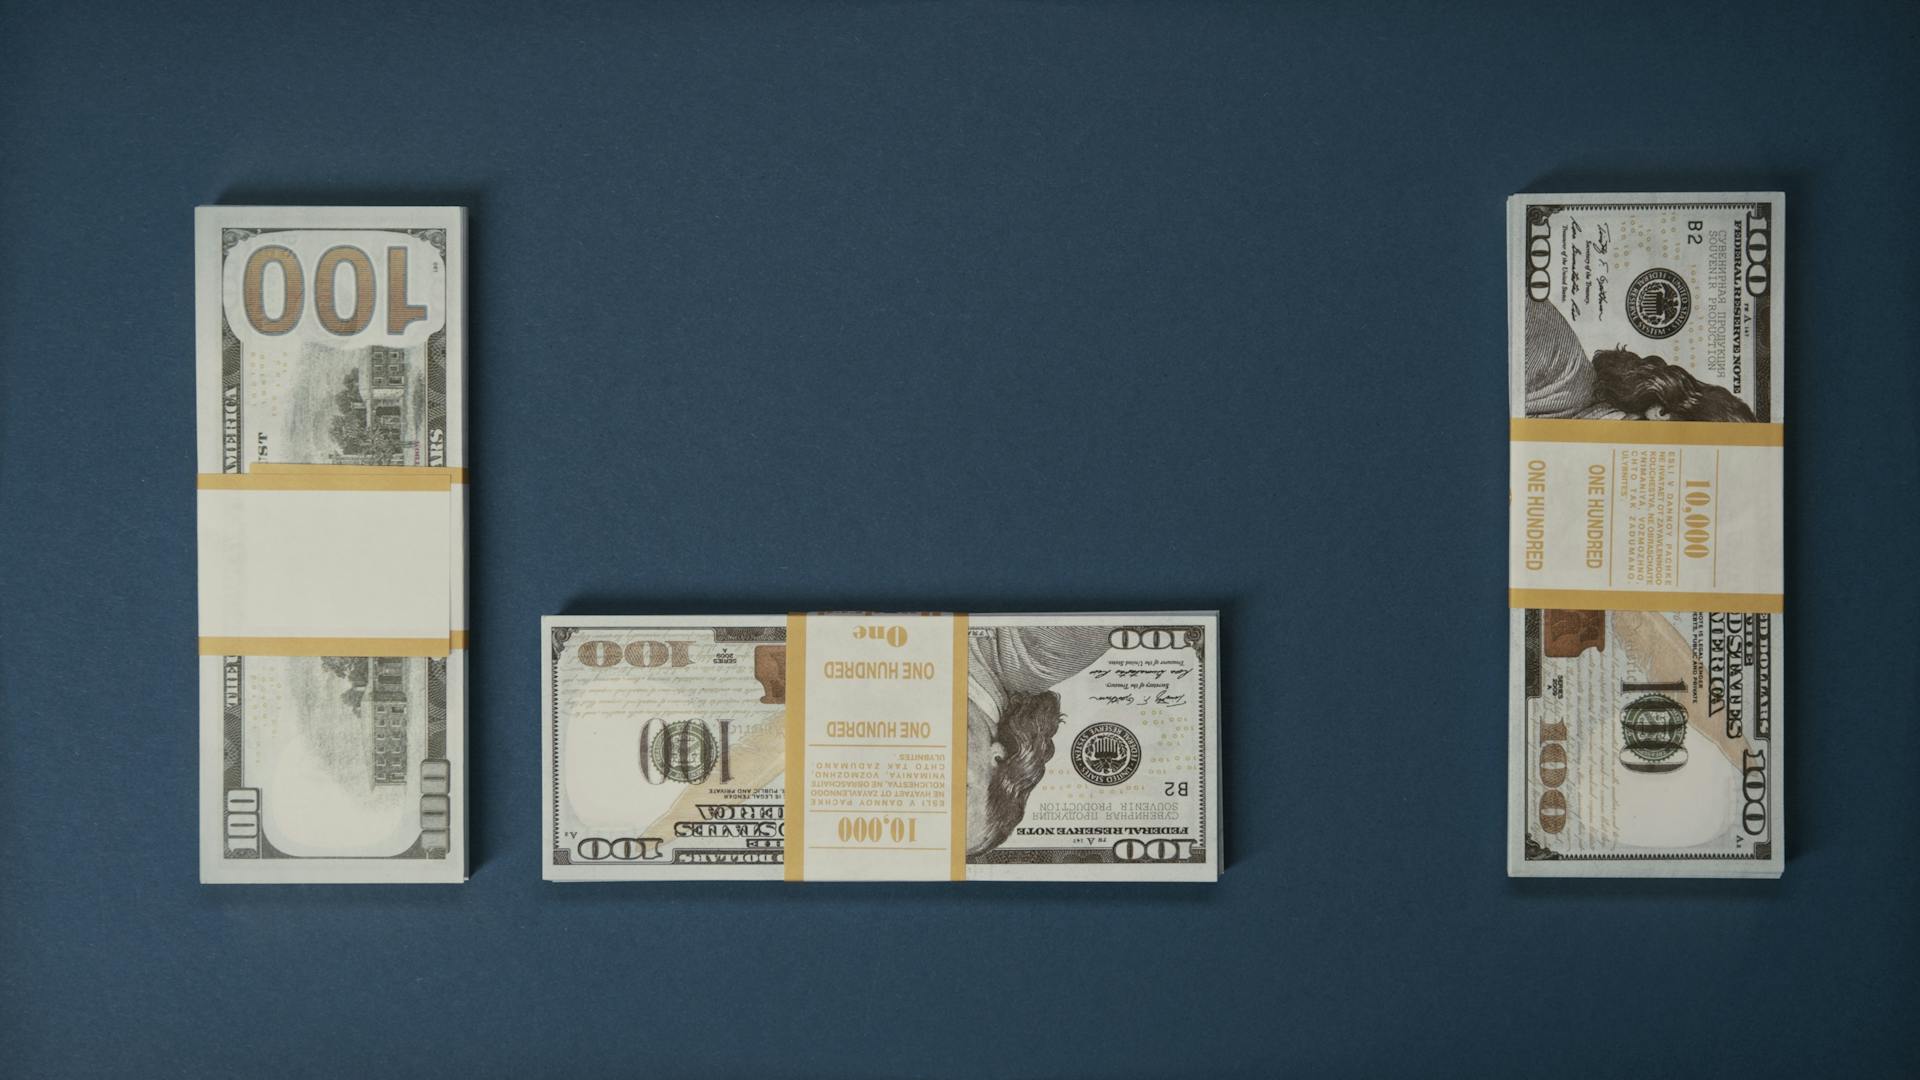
(975, 306)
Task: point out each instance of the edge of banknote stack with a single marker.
(881, 747)
(331, 499)
(1646, 375)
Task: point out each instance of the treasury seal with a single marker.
(1105, 754)
(1658, 303)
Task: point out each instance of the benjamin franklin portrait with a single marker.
(1616, 384)
(1012, 715)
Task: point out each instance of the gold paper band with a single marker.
(957, 802)
(1646, 432)
(431, 647)
(398, 480)
(1644, 600)
(295, 476)
(796, 793)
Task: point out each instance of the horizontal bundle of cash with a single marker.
(1646, 381)
(881, 747)
(332, 556)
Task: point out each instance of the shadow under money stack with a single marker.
(330, 356)
(1646, 383)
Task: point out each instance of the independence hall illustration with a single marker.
(371, 428)
(377, 689)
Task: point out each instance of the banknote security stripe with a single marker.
(1640, 515)
(876, 743)
(328, 560)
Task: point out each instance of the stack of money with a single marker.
(331, 497)
(1646, 384)
(881, 747)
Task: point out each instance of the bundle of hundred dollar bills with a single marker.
(881, 747)
(1646, 381)
(331, 496)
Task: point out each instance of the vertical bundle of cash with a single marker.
(1646, 381)
(330, 359)
(881, 747)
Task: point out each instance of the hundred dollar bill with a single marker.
(1041, 747)
(330, 362)
(1646, 389)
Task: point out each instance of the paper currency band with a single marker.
(795, 812)
(1630, 433)
(1645, 600)
(1647, 432)
(272, 476)
(430, 647)
(957, 801)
